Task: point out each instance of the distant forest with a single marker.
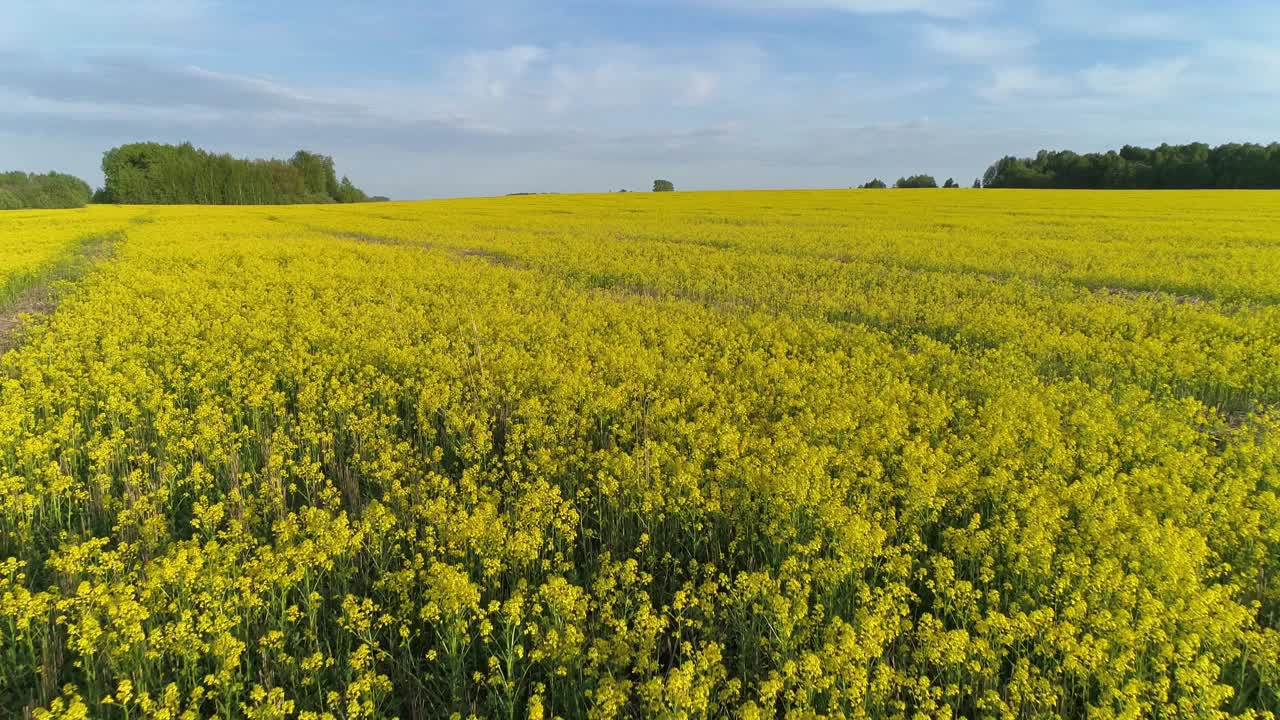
(21, 191)
(157, 174)
(1168, 167)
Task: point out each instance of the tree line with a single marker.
(915, 181)
(156, 173)
(22, 191)
(1195, 166)
(159, 174)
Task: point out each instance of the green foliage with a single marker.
(1168, 167)
(19, 190)
(348, 193)
(916, 181)
(158, 174)
(950, 183)
(977, 183)
(663, 186)
(874, 184)
(318, 175)
(9, 200)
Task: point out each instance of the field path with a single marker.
(39, 293)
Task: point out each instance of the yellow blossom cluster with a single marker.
(995, 454)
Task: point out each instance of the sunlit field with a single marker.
(884, 454)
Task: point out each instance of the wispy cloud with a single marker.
(1020, 81)
(977, 44)
(1152, 79)
(495, 74)
(508, 89)
(1123, 85)
(132, 82)
(526, 83)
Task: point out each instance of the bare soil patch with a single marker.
(369, 238)
(492, 256)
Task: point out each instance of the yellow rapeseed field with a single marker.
(873, 454)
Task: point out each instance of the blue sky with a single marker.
(493, 96)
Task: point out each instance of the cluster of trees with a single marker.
(663, 186)
(155, 173)
(1193, 166)
(915, 181)
(20, 190)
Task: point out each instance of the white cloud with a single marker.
(493, 74)
(525, 84)
(129, 82)
(977, 44)
(1019, 81)
(1087, 88)
(1154, 79)
(630, 78)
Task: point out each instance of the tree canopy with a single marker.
(873, 184)
(663, 186)
(1187, 167)
(916, 181)
(20, 190)
(155, 173)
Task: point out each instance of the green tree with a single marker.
(147, 173)
(916, 181)
(42, 191)
(348, 193)
(873, 184)
(1190, 166)
(950, 183)
(9, 200)
(318, 175)
(663, 186)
